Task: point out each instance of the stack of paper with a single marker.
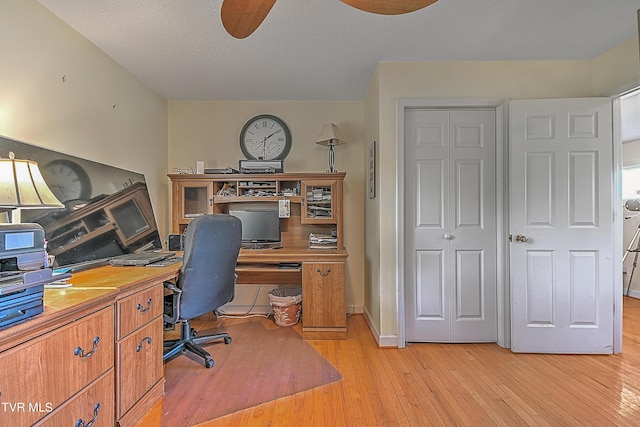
(322, 241)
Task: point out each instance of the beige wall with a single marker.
(507, 80)
(617, 70)
(59, 91)
(372, 206)
(209, 131)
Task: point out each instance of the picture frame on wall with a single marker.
(372, 170)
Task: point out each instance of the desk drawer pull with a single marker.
(81, 423)
(139, 347)
(141, 309)
(79, 351)
(326, 273)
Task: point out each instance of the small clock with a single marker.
(265, 137)
(67, 180)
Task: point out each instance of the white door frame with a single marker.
(502, 291)
(617, 223)
(502, 206)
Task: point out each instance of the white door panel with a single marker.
(561, 181)
(430, 184)
(450, 226)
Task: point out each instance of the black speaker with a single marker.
(175, 242)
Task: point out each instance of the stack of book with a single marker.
(322, 241)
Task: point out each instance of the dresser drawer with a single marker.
(138, 309)
(44, 372)
(95, 403)
(140, 364)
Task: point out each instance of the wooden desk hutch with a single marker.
(315, 207)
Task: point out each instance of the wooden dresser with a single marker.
(93, 355)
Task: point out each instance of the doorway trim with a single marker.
(618, 220)
(502, 253)
(618, 214)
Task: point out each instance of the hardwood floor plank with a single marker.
(449, 385)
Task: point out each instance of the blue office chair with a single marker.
(205, 283)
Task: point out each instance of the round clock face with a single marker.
(265, 137)
(67, 180)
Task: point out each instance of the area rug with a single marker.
(262, 363)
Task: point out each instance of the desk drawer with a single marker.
(44, 372)
(138, 309)
(139, 364)
(95, 403)
(251, 274)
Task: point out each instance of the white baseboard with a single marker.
(381, 340)
(634, 294)
(235, 309)
(239, 309)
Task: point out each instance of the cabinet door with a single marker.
(191, 199)
(139, 365)
(133, 217)
(323, 304)
(319, 200)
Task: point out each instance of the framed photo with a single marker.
(372, 170)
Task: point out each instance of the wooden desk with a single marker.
(316, 207)
(46, 379)
(322, 277)
(113, 317)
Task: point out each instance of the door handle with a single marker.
(448, 236)
(521, 238)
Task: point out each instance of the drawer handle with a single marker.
(79, 351)
(81, 423)
(326, 273)
(141, 309)
(139, 347)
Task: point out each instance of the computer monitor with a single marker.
(260, 227)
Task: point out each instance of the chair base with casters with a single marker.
(190, 342)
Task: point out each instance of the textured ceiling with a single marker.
(326, 50)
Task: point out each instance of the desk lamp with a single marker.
(23, 187)
(329, 137)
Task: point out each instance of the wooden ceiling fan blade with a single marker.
(389, 7)
(242, 17)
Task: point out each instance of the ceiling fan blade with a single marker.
(389, 7)
(242, 17)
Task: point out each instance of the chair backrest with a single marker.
(207, 276)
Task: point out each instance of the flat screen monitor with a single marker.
(259, 226)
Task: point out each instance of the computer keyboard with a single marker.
(165, 262)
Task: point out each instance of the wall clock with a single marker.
(67, 180)
(265, 137)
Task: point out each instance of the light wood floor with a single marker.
(458, 385)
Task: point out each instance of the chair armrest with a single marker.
(172, 302)
(172, 287)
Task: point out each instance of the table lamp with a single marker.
(329, 137)
(23, 187)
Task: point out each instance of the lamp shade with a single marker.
(329, 135)
(22, 186)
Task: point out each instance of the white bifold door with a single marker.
(450, 225)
